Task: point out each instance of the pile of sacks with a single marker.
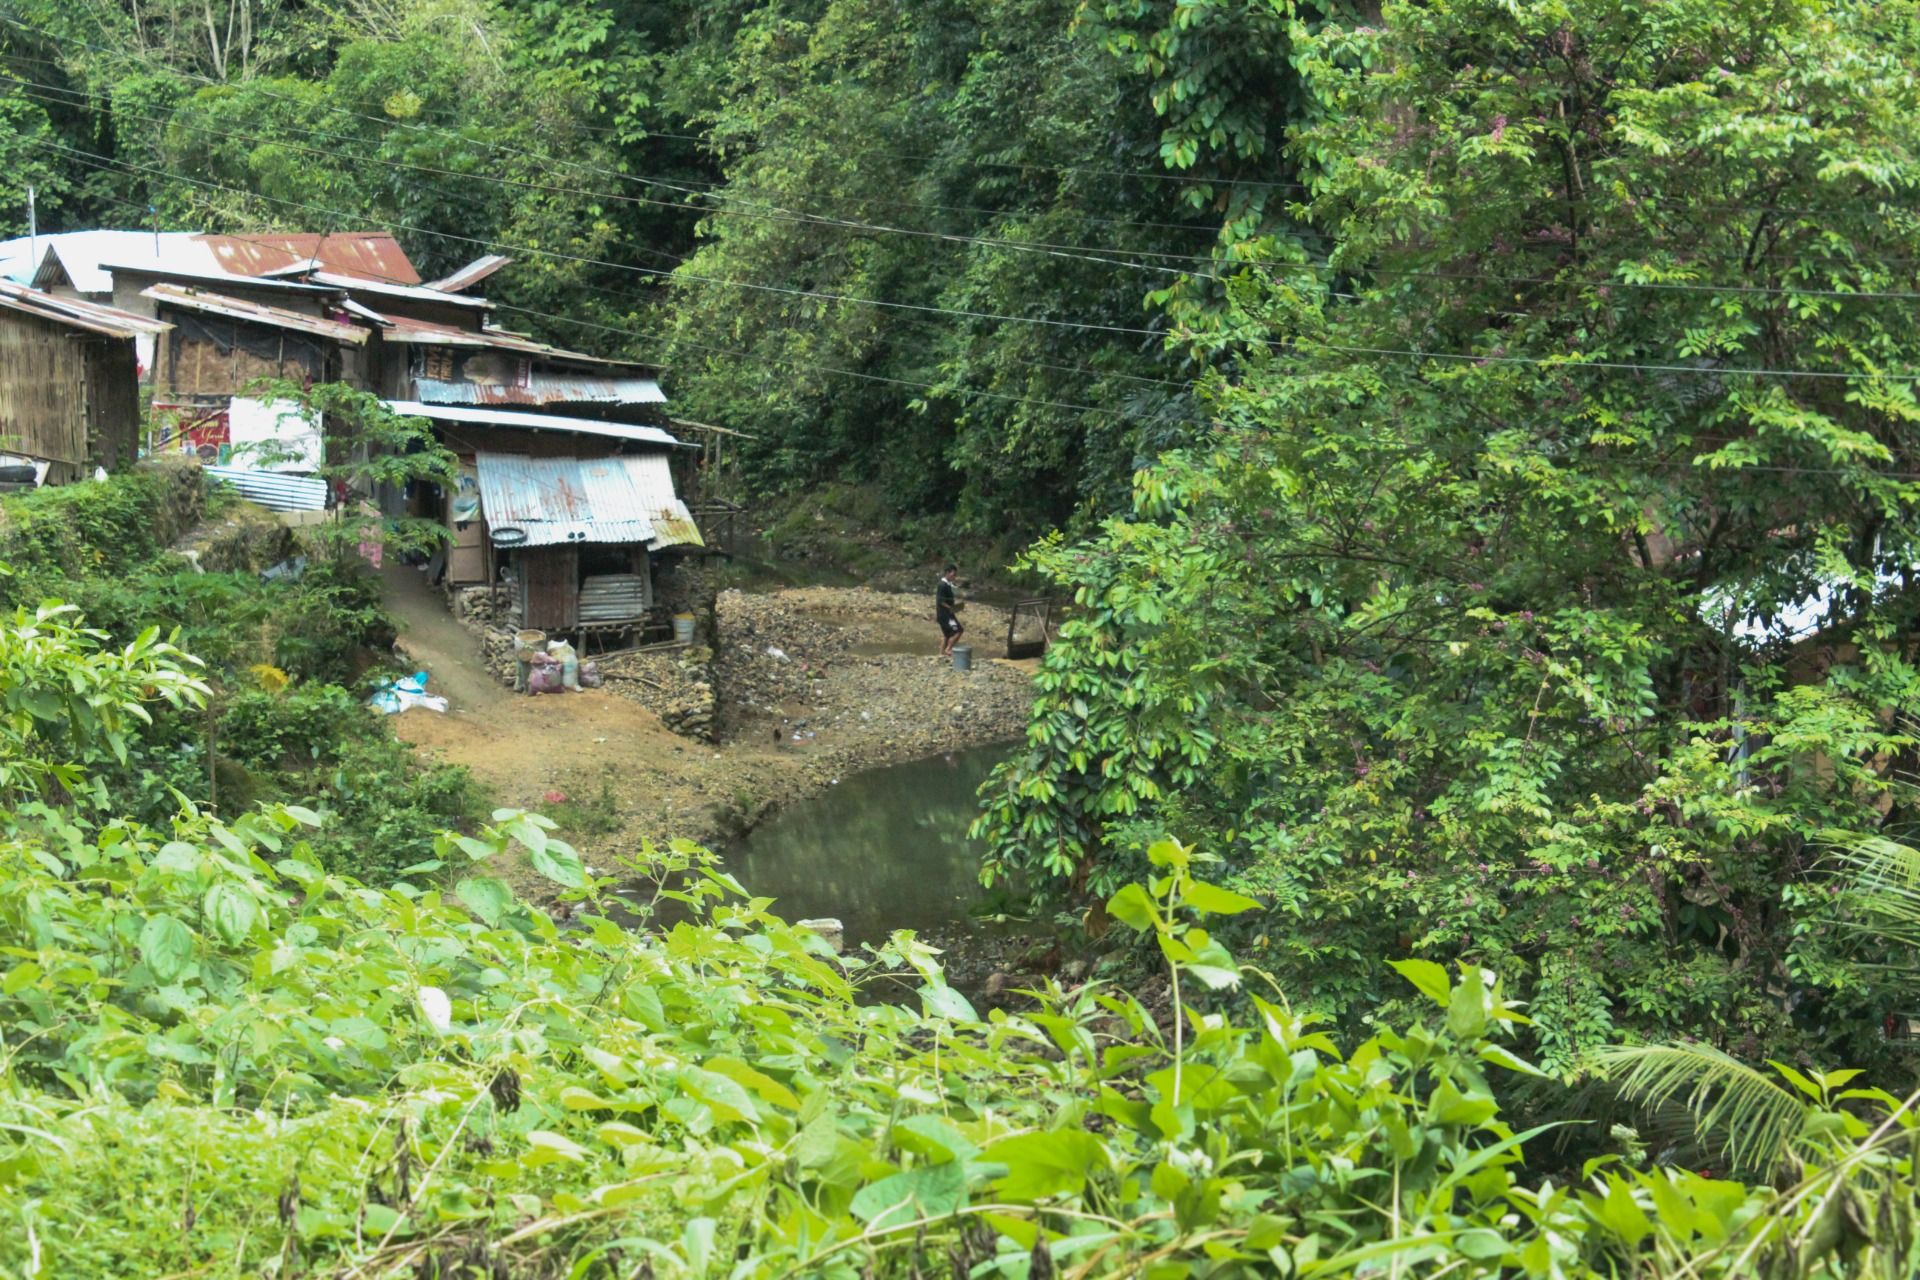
(558, 669)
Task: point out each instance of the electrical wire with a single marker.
(1079, 252)
(1565, 364)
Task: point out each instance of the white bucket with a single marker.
(683, 628)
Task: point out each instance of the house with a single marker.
(69, 393)
(569, 515)
(81, 264)
(571, 485)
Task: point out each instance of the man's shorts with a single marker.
(950, 625)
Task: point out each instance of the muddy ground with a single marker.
(811, 684)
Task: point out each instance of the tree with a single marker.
(1462, 634)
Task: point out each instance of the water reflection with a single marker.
(881, 851)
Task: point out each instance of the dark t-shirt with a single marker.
(943, 598)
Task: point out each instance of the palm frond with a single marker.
(1746, 1113)
(1884, 881)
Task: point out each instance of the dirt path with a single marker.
(607, 753)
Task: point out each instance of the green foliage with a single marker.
(370, 449)
(1466, 654)
(65, 532)
(71, 704)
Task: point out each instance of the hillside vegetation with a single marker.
(1479, 442)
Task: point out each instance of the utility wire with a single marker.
(1079, 252)
(1566, 364)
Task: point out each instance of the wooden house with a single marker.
(69, 382)
(570, 514)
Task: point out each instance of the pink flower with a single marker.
(1499, 127)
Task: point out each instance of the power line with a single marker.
(1080, 252)
(928, 387)
(1857, 474)
(1085, 326)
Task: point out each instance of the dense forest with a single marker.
(1478, 440)
(939, 248)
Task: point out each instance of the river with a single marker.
(883, 850)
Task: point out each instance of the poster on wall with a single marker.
(199, 431)
(466, 495)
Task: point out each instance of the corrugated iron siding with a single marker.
(570, 500)
(612, 597)
(544, 387)
(272, 490)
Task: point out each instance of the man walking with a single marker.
(946, 611)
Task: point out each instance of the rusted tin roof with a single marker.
(542, 502)
(75, 314)
(482, 417)
(545, 386)
(80, 256)
(255, 313)
(363, 255)
(471, 274)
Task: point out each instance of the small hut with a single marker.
(69, 382)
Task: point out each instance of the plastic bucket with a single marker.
(683, 628)
(963, 657)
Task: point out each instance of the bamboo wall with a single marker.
(66, 396)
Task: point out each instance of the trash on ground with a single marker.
(390, 697)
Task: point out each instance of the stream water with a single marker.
(883, 850)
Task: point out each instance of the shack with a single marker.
(577, 535)
(69, 383)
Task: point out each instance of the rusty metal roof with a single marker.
(256, 313)
(483, 417)
(75, 314)
(545, 386)
(81, 255)
(363, 255)
(542, 502)
(471, 274)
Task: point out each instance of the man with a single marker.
(946, 611)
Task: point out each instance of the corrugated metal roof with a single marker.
(540, 502)
(427, 333)
(480, 417)
(545, 386)
(361, 255)
(75, 314)
(223, 279)
(471, 274)
(384, 289)
(368, 255)
(256, 313)
(272, 490)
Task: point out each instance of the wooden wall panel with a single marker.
(549, 587)
(43, 393)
